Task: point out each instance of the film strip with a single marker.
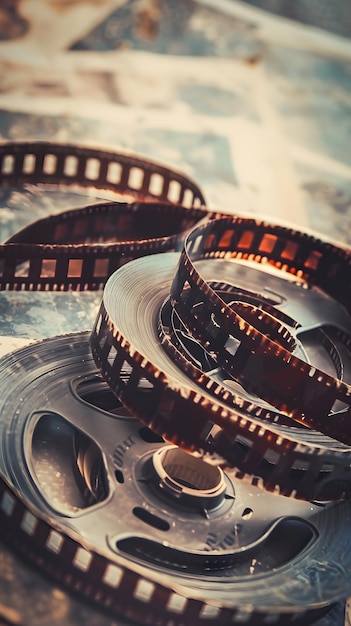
(64, 263)
(62, 164)
(252, 345)
(65, 431)
(198, 348)
(78, 249)
(253, 438)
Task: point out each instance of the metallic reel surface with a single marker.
(141, 527)
(199, 406)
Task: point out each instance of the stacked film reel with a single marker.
(186, 462)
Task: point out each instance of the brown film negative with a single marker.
(79, 249)
(63, 164)
(118, 589)
(259, 359)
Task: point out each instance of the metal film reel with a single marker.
(139, 526)
(196, 404)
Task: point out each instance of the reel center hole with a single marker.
(188, 479)
(189, 471)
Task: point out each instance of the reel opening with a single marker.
(96, 392)
(285, 540)
(68, 466)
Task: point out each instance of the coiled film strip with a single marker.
(79, 249)
(298, 462)
(186, 405)
(261, 358)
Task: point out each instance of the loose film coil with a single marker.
(78, 249)
(261, 357)
(176, 376)
(63, 164)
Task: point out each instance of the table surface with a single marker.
(255, 108)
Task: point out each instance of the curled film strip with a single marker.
(253, 437)
(254, 346)
(197, 406)
(79, 249)
(55, 163)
